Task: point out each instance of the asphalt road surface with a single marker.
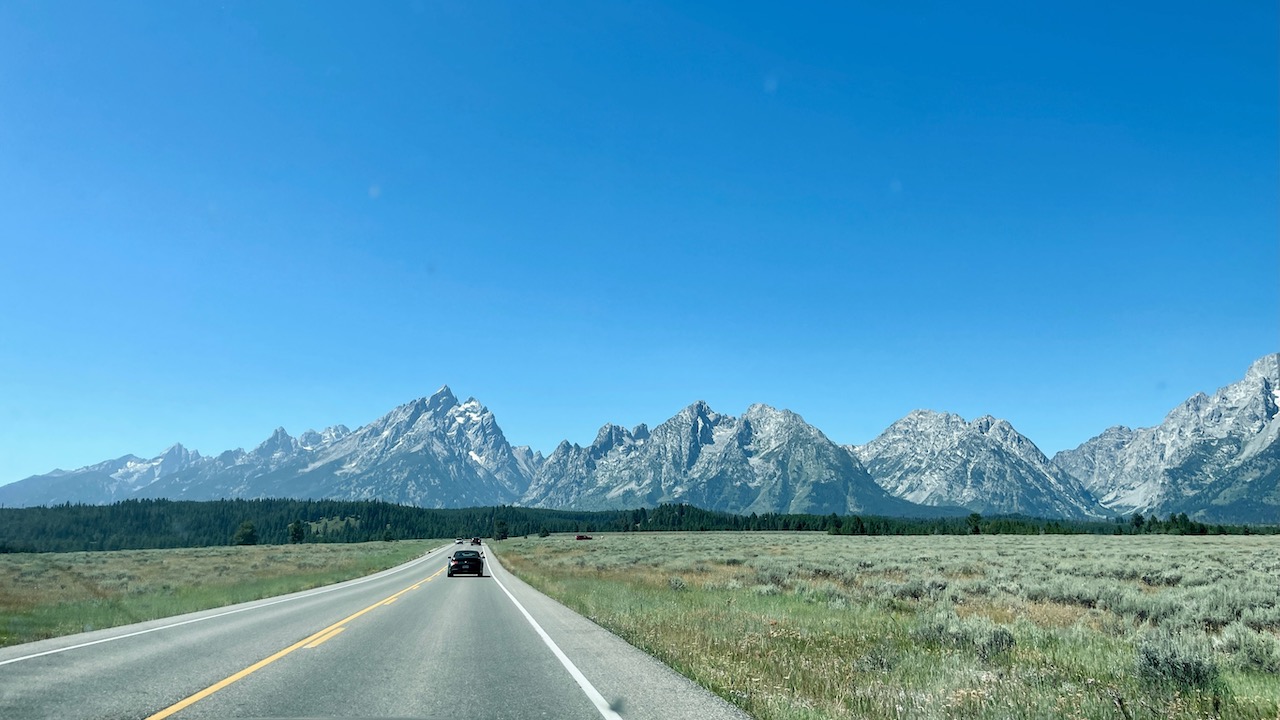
(408, 642)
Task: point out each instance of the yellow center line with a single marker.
(316, 638)
(327, 636)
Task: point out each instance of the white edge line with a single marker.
(594, 695)
(321, 591)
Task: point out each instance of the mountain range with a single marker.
(938, 459)
(1216, 458)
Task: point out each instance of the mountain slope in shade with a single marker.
(986, 466)
(767, 460)
(1211, 457)
(1250, 494)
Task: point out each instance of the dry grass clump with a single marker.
(816, 626)
(49, 594)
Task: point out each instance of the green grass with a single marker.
(45, 595)
(794, 626)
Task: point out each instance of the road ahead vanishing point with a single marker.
(408, 642)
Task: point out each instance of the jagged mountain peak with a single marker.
(176, 453)
(423, 415)
(761, 410)
(934, 422)
(312, 440)
(470, 411)
(1117, 430)
(114, 464)
(922, 418)
(1265, 368)
(1003, 431)
(983, 424)
(431, 422)
(280, 443)
(985, 465)
(1241, 409)
(436, 405)
(441, 399)
(996, 429)
(699, 409)
(528, 459)
(526, 450)
(715, 461)
(475, 421)
(610, 435)
(1210, 452)
(927, 414)
(695, 425)
(763, 422)
(403, 418)
(432, 451)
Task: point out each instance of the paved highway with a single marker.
(408, 642)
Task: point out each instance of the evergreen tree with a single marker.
(974, 522)
(246, 534)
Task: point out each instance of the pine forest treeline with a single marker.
(141, 524)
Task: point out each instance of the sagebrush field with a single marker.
(48, 594)
(789, 625)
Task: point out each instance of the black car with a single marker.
(466, 562)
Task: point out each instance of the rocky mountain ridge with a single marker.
(1215, 457)
(985, 465)
(767, 460)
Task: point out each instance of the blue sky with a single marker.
(218, 218)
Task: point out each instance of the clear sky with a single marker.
(218, 218)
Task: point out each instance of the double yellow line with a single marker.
(310, 641)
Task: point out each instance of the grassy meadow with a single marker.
(44, 595)
(806, 626)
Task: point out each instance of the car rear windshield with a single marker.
(466, 554)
